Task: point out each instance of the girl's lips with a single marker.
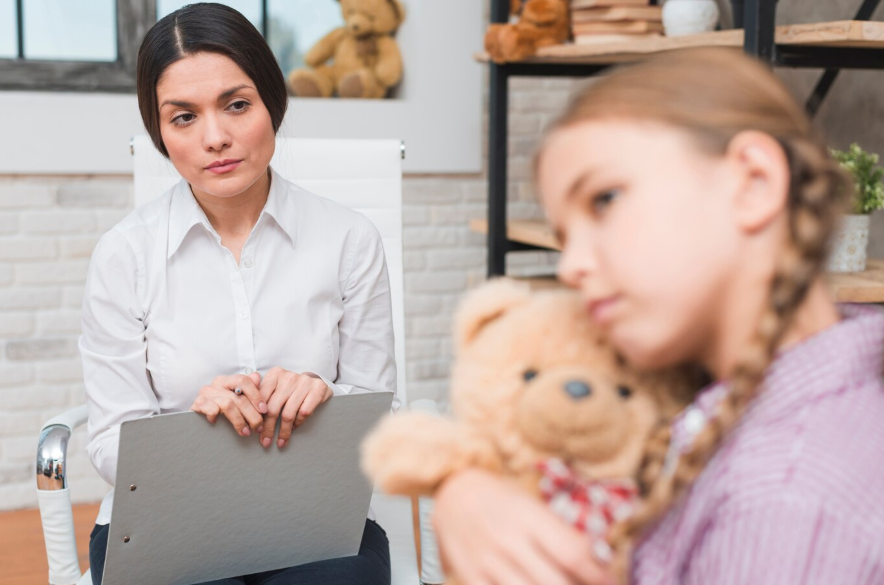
(602, 311)
(220, 170)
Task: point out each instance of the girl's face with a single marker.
(211, 113)
(646, 223)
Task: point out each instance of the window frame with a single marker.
(134, 18)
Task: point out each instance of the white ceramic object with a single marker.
(689, 17)
(850, 244)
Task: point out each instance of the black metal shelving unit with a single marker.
(756, 17)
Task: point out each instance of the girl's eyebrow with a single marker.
(577, 185)
(221, 97)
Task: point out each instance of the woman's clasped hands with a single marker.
(255, 405)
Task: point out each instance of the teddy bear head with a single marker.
(364, 18)
(535, 376)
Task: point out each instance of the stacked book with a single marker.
(614, 21)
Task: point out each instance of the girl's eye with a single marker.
(624, 391)
(529, 375)
(239, 107)
(604, 200)
(182, 120)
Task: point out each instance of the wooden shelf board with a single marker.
(844, 33)
(535, 233)
(850, 287)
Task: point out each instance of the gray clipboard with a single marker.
(209, 504)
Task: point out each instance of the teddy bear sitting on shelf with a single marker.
(541, 23)
(364, 58)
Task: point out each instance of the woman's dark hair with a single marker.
(212, 28)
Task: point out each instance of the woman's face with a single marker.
(647, 232)
(211, 113)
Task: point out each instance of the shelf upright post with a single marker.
(497, 154)
(759, 25)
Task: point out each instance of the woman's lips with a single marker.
(602, 311)
(224, 168)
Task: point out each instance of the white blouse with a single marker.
(167, 309)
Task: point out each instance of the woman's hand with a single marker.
(244, 411)
(490, 532)
(292, 397)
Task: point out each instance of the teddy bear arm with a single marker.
(324, 49)
(389, 67)
(413, 453)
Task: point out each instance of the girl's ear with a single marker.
(763, 170)
(485, 304)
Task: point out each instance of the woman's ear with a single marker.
(763, 174)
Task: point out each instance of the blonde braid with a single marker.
(817, 193)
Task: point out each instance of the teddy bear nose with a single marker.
(578, 389)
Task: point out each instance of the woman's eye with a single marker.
(529, 375)
(624, 391)
(238, 107)
(603, 201)
(183, 119)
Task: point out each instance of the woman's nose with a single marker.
(216, 137)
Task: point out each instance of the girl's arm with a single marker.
(113, 350)
(493, 533)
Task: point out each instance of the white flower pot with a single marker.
(850, 244)
(689, 17)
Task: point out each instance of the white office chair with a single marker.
(365, 175)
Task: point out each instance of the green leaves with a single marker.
(867, 175)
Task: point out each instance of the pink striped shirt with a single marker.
(796, 493)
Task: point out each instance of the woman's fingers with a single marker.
(317, 394)
(274, 410)
(207, 408)
(249, 388)
(290, 411)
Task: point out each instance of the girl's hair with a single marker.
(714, 94)
(212, 28)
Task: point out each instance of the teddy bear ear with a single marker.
(400, 10)
(487, 303)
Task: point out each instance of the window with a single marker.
(91, 45)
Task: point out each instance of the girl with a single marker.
(235, 293)
(694, 203)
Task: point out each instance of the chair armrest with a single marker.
(54, 497)
(52, 448)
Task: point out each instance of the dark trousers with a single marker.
(370, 567)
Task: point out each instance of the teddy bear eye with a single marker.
(529, 375)
(624, 391)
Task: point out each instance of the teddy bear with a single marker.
(365, 59)
(539, 396)
(541, 23)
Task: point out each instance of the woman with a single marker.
(236, 293)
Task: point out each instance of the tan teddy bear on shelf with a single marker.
(365, 59)
(541, 23)
(537, 396)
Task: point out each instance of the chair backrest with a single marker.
(364, 175)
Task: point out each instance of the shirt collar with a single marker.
(843, 356)
(185, 212)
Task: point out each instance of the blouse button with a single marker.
(244, 314)
(248, 371)
(247, 262)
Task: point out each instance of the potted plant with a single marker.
(851, 241)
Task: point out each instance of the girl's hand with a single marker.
(244, 411)
(490, 532)
(292, 397)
